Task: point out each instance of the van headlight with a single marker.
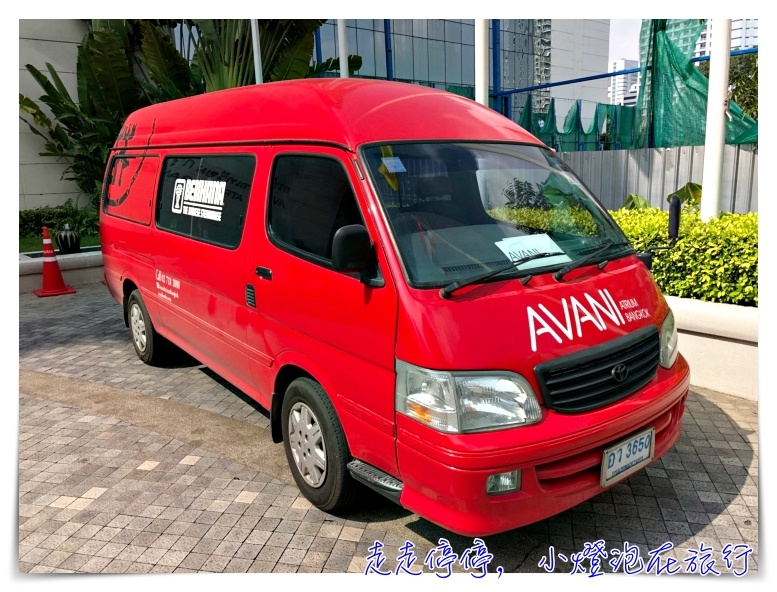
(668, 341)
(459, 402)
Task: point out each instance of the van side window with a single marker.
(310, 199)
(129, 191)
(206, 197)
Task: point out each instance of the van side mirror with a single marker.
(674, 217)
(351, 249)
(647, 258)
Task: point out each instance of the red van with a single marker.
(422, 294)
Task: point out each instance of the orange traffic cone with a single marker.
(53, 284)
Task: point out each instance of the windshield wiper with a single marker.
(448, 290)
(559, 275)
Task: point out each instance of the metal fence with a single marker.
(654, 173)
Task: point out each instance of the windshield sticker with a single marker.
(518, 247)
(198, 198)
(393, 164)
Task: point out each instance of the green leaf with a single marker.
(58, 82)
(31, 107)
(116, 27)
(354, 63)
(224, 53)
(689, 194)
(294, 62)
(165, 64)
(113, 73)
(44, 83)
(636, 202)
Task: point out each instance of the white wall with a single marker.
(580, 47)
(55, 42)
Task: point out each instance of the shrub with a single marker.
(85, 220)
(576, 219)
(715, 261)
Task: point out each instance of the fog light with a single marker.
(503, 482)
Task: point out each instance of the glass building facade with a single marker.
(440, 53)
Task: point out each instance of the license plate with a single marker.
(627, 457)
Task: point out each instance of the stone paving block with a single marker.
(117, 566)
(207, 546)
(95, 565)
(261, 566)
(259, 537)
(194, 561)
(248, 551)
(216, 563)
(279, 539)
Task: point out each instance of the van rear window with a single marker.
(206, 197)
(130, 189)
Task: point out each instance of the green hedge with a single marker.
(575, 220)
(31, 222)
(715, 261)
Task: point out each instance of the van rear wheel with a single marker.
(315, 446)
(148, 344)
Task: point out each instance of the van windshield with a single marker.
(458, 210)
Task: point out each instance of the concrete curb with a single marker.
(715, 318)
(77, 269)
(720, 342)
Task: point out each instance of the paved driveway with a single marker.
(128, 468)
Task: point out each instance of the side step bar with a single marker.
(376, 479)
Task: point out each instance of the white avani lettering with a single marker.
(534, 332)
(579, 320)
(543, 320)
(609, 311)
(566, 329)
(615, 308)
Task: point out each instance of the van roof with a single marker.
(342, 111)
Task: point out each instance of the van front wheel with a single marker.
(146, 341)
(315, 446)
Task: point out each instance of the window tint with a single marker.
(130, 188)
(310, 200)
(206, 197)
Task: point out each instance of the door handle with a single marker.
(264, 272)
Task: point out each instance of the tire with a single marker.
(148, 344)
(315, 446)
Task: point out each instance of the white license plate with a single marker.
(627, 457)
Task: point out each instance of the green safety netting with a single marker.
(673, 93)
(541, 124)
(616, 120)
(671, 108)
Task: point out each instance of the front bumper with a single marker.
(559, 458)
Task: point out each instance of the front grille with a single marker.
(585, 380)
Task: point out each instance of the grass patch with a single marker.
(31, 244)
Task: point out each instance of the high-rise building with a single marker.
(744, 35)
(622, 86)
(441, 54)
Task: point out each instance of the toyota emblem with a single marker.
(620, 372)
